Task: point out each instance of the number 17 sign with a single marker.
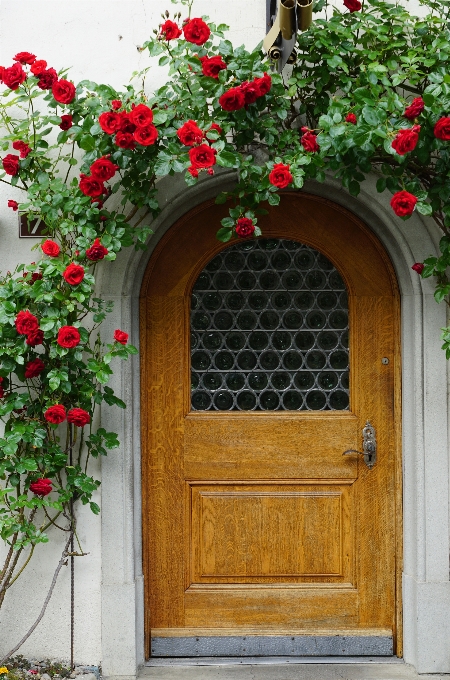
(31, 228)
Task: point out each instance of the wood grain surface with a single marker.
(255, 521)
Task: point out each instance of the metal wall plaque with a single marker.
(31, 228)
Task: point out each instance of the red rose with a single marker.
(91, 186)
(215, 127)
(13, 204)
(251, 92)
(26, 323)
(264, 84)
(22, 147)
(116, 104)
(141, 115)
(244, 227)
(109, 122)
(35, 338)
(11, 164)
(442, 129)
(14, 76)
(68, 336)
(34, 368)
(170, 30)
(73, 274)
(403, 203)
(350, 118)
(125, 140)
(2, 68)
(353, 5)
(406, 140)
(96, 251)
(125, 122)
(47, 78)
(146, 135)
(121, 336)
(192, 171)
(38, 67)
(309, 142)
(25, 58)
(280, 176)
(41, 487)
(36, 276)
(418, 267)
(50, 248)
(232, 100)
(189, 133)
(55, 414)
(202, 156)
(66, 122)
(212, 66)
(78, 417)
(415, 108)
(63, 91)
(196, 31)
(103, 169)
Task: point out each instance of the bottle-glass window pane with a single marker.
(269, 331)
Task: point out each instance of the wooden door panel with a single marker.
(267, 533)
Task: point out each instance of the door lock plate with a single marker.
(369, 446)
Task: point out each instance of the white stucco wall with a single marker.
(99, 39)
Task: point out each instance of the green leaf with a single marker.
(224, 234)
(227, 159)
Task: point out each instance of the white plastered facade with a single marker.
(109, 582)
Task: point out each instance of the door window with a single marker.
(269, 330)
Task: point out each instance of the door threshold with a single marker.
(268, 660)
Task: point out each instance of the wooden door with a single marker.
(259, 534)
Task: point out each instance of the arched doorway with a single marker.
(259, 535)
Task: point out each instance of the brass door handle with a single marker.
(369, 446)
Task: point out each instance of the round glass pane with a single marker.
(316, 360)
(345, 380)
(304, 381)
(339, 359)
(269, 400)
(212, 340)
(223, 320)
(235, 301)
(280, 260)
(258, 301)
(201, 401)
(269, 361)
(304, 340)
(269, 280)
(292, 400)
(338, 319)
(203, 282)
(336, 282)
(247, 360)
(246, 400)
(304, 259)
(195, 380)
(257, 261)
(327, 380)
(215, 264)
(258, 340)
(200, 321)
(194, 340)
(281, 300)
(223, 281)
(292, 361)
(292, 320)
(258, 381)
(223, 401)
(212, 301)
(235, 341)
(200, 361)
(234, 261)
(292, 280)
(212, 381)
(246, 281)
(224, 361)
(327, 340)
(235, 381)
(281, 340)
(304, 300)
(339, 400)
(247, 321)
(316, 319)
(316, 400)
(327, 300)
(269, 320)
(280, 381)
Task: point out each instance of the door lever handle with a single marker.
(369, 446)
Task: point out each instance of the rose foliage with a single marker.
(370, 91)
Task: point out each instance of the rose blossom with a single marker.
(66, 122)
(215, 127)
(406, 140)
(25, 58)
(189, 133)
(63, 91)
(232, 100)
(212, 66)
(26, 323)
(353, 5)
(146, 135)
(96, 251)
(68, 336)
(264, 84)
(55, 414)
(47, 78)
(116, 104)
(442, 129)
(121, 336)
(35, 338)
(38, 67)
(170, 30)
(13, 204)
(309, 142)
(202, 156)
(22, 148)
(125, 140)
(41, 487)
(36, 276)
(280, 176)
(418, 267)
(126, 123)
(415, 108)
(78, 417)
(109, 122)
(103, 169)
(34, 368)
(91, 186)
(350, 118)
(73, 274)
(14, 76)
(11, 164)
(50, 248)
(403, 203)
(192, 171)
(141, 115)
(196, 31)
(251, 92)
(244, 227)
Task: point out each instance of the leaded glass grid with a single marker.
(269, 330)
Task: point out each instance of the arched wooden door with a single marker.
(260, 536)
